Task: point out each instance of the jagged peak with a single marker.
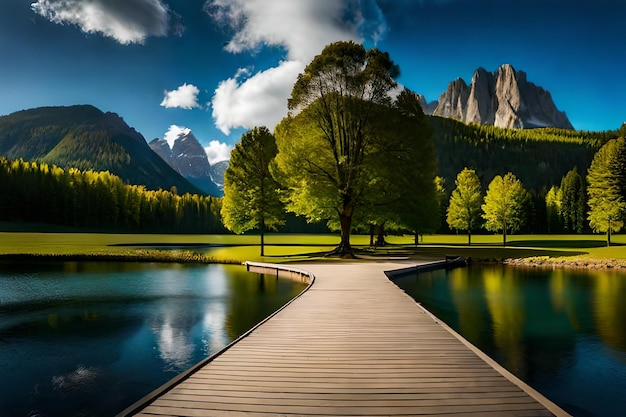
(504, 98)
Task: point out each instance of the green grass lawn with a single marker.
(290, 247)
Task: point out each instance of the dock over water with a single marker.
(353, 344)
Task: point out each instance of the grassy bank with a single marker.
(285, 247)
(162, 247)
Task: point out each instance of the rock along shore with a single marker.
(567, 262)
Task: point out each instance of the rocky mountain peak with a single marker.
(183, 152)
(453, 102)
(504, 98)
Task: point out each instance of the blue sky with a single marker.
(219, 67)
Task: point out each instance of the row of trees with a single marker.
(601, 200)
(42, 193)
(502, 208)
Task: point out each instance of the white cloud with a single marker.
(126, 21)
(218, 151)
(260, 100)
(302, 28)
(174, 133)
(184, 97)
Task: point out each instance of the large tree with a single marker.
(504, 205)
(464, 210)
(328, 141)
(251, 194)
(402, 193)
(607, 188)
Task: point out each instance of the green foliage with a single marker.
(607, 188)
(573, 201)
(327, 143)
(251, 194)
(42, 193)
(539, 157)
(401, 168)
(464, 209)
(415, 167)
(504, 205)
(553, 209)
(85, 138)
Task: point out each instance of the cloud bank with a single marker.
(184, 97)
(218, 151)
(302, 29)
(126, 21)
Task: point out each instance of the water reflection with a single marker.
(610, 309)
(89, 339)
(76, 380)
(561, 331)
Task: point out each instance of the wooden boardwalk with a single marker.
(352, 345)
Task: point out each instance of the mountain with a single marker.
(217, 172)
(186, 155)
(427, 107)
(504, 98)
(86, 138)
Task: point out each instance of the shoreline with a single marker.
(183, 256)
(567, 263)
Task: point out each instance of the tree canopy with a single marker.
(464, 210)
(332, 144)
(607, 188)
(251, 194)
(504, 205)
(43, 193)
(573, 201)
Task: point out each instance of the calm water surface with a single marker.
(562, 332)
(89, 339)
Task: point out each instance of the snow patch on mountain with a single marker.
(174, 133)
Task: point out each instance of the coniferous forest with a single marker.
(41, 193)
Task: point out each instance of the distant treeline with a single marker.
(42, 193)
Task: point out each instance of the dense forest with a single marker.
(538, 157)
(42, 193)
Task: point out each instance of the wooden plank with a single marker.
(353, 345)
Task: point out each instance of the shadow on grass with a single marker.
(574, 244)
(477, 253)
(490, 253)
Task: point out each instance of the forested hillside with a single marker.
(85, 138)
(538, 157)
(42, 193)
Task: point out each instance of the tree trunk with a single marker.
(608, 235)
(371, 234)
(469, 237)
(262, 236)
(345, 220)
(380, 239)
(504, 237)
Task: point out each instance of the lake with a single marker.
(561, 331)
(90, 338)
